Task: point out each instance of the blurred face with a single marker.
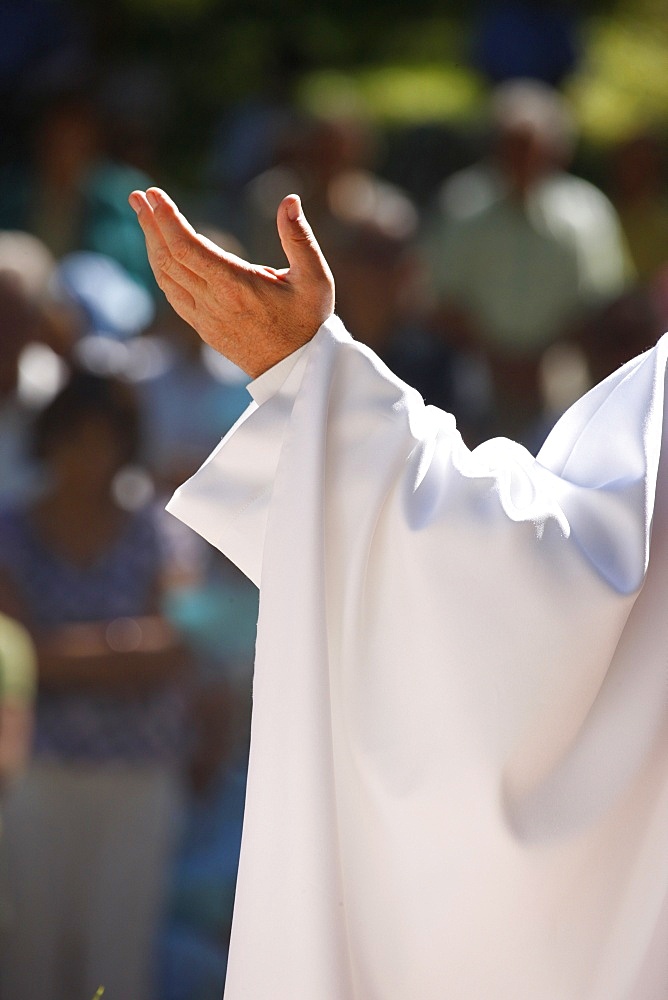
(524, 157)
(89, 457)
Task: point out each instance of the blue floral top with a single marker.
(94, 725)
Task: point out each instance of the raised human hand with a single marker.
(254, 315)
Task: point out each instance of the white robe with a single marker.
(458, 784)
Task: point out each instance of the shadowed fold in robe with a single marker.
(458, 778)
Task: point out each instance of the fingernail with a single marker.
(135, 202)
(294, 208)
(153, 200)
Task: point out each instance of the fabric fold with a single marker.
(458, 782)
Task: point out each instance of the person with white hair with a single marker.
(520, 250)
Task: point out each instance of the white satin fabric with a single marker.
(458, 783)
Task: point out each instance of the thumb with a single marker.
(306, 259)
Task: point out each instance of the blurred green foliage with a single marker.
(623, 82)
(395, 61)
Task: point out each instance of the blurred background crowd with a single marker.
(488, 182)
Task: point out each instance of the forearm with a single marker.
(123, 656)
(16, 720)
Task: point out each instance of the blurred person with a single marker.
(28, 316)
(629, 324)
(379, 282)
(72, 193)
(19, 474)
(368, 228)
(637, 183)
(330, 163)
(17, 694)
(381, 295)
(457, 780)
(89, 830)
(520, 250)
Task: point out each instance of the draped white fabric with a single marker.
(458, 784)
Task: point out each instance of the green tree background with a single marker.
(397, 62)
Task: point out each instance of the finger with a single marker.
(179, 298)
(159, 255)
(187, 248)
(138, 201)
(159, 199)
(300, 245)
(180, 295)
(146, 218)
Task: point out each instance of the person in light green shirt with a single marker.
(521, 250)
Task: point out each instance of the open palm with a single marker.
(253, 314)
